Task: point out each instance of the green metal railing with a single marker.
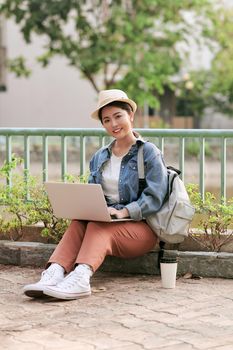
(162, 136)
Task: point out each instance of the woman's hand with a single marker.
(119, 214)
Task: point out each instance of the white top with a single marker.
(110, 180)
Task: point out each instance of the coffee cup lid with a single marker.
(168, 260)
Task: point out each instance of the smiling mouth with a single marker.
(116, 130)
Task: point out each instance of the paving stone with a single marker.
(130, 312)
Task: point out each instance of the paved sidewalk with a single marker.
(124, 313)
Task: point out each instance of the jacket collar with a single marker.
(138, 143)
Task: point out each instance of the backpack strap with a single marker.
(174, 169)
(142, 182)
(141, 171)
(173, 173)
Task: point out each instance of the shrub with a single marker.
(215, 219)
(26, 203)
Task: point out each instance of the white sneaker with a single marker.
(50, 277)
(75, 285)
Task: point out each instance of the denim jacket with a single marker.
(152, 197)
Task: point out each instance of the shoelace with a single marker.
(47, 275)
(71, 280)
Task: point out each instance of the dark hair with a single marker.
(123, 105)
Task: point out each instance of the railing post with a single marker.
(223, 169)
(202, 168)
(101, 141)
(161, 144)
(63, 157)
(82, 155)
(181, 156)
(26, 163)
(45, 158)
(8, 156)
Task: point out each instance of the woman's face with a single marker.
(117, 121)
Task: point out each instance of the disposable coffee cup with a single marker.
(168, 268)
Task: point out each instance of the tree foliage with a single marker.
(18, 66)
(131, 44)
(222, 69)
(194, 95)
(214, 86)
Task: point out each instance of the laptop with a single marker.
(79, 201)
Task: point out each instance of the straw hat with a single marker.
(108, 96)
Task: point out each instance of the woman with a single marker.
(85, 244)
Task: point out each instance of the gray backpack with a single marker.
(171, 222)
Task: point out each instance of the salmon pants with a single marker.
(90, 242)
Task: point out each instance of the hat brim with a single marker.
(95, 114)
